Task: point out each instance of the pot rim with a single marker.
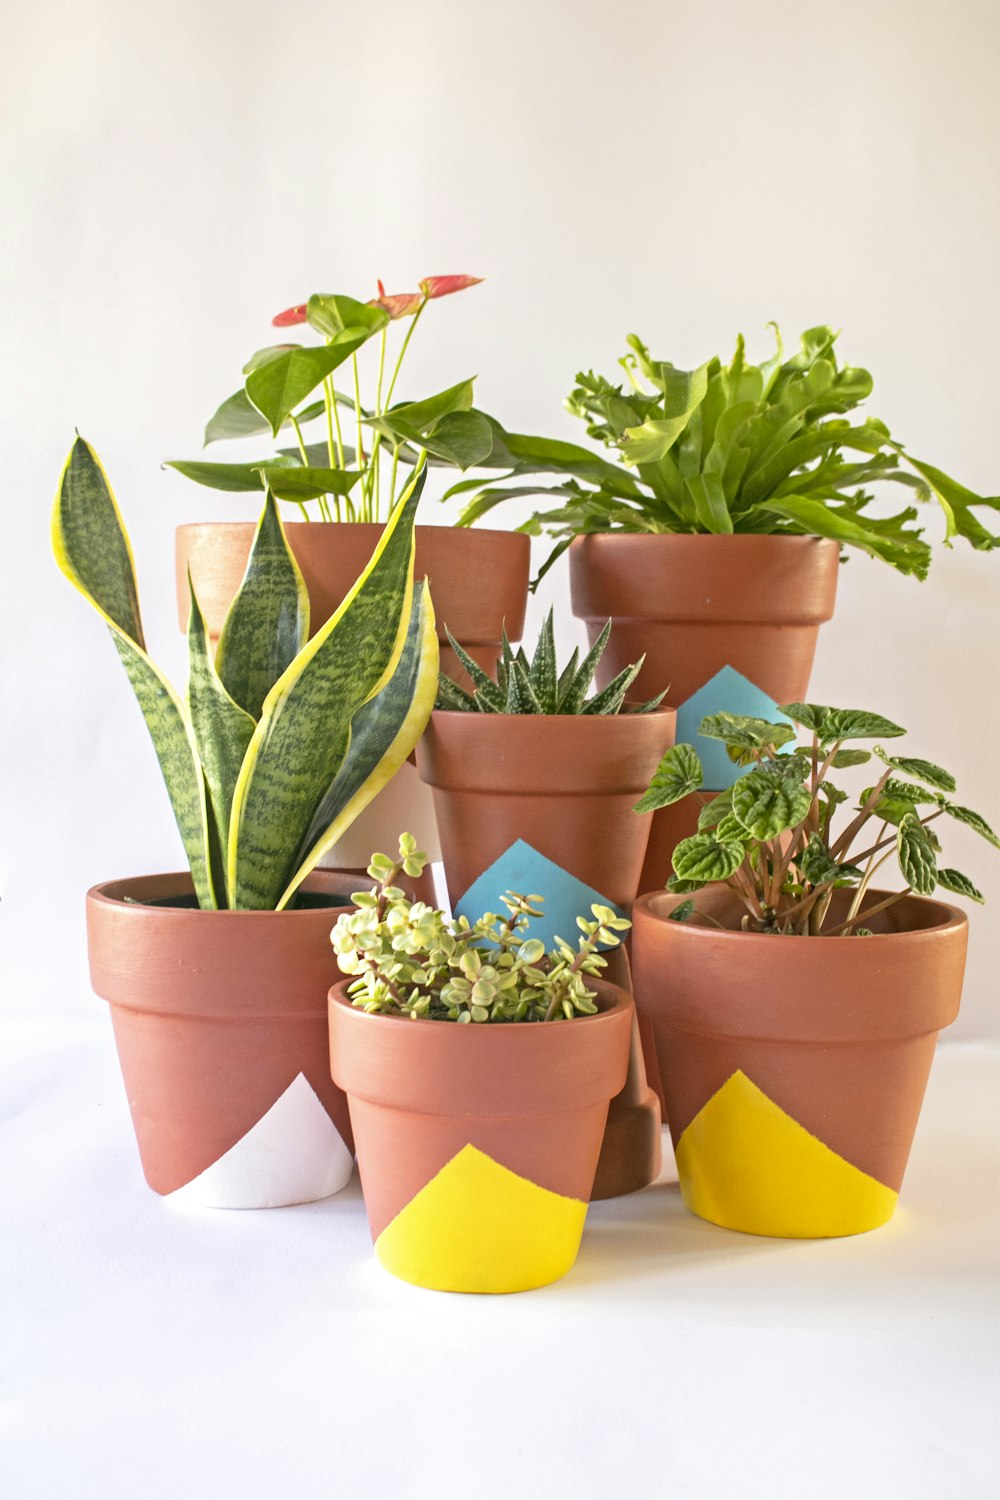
(621, 1000)
(102, 895)
(648, 901)
(453, 715)
(719, 541)
(489, 531)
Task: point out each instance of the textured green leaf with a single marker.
(277, 387)
(715, 811)
(682, 912)
(810, 715)
(767, 806)
(678, 775)
(972, 820)
(678, 887)
(845, 758)
(268, 621)
(818, 867)
(92, 549)
(857, 724)
(923, 770)
(959, 884)
(304, 732)
(705, 858)
(916, 855)
(743, 732)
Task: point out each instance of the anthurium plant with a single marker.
(365, 452)
(776, 838)
(282, 739)
(412, 960)
(737, 448)
(538, 686)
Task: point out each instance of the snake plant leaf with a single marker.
(268, 621)
(304, 731)
(92, 550)
(383, 732)
(222, 730)
(923, 770)
(276, 388)
(917, 859)
(678, 774)
(959, 884)
(766, 806)
(703, 857)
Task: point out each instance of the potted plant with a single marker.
(713, 538)
(217, 977)
(478, 1068)
(533, 785)
(795, 1005)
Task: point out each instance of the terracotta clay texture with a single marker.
(477, 1145)
(794, 1068)
(478, 578)
(632, 1149)
(217, 1015)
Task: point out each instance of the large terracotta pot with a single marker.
(477, 1145)
(725, 623)
(220, 1022)
(794, 1067)
(544, 804)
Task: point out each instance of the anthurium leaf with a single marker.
(92, 549)
(704, 858)
(923, 770)
(972, 820)
(462, 438)
(292, 482)
(333, 315)
(422, 416)
(678, 774)
(264, 356)
(268, 620)
(304, 733)
(845, 758)
(237, 417)
(276, 388)
(234, 478)
(766, 806)
(857, 724)
(916, 855)
(710, 504)
(959, 884)
(222, 730)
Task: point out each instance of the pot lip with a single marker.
(98, 897)
(240, 526)
(719, 542)
(338, 996)
(453, 715)
(645, 907)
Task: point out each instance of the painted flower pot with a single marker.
(220, 1022)
(794, 1068)
(725, 622)
(477, 1145)
(543, 804)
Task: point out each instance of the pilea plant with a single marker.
(771, 837)
(355, 470)
(741, 448)
(412, 960)
(538, 686)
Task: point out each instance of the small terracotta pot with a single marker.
(794, 1067)
(632, 1149)
(477, 1145)
(220, 1022)
(478, 578)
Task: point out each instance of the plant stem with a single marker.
(362, 461)
(402, 353)
(863, 915)
(324, 509)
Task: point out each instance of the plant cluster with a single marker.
(738, 448)
(538, 686)
(411, 960)
(770, 838)
(291, 386)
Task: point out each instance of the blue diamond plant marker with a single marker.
(521, 868)
(727, 692)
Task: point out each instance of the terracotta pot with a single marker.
(794, 1067)
(478, 578)
(725, 623)
(632, 1149)
(536, 803)
(220, 1022)
(477, 1145)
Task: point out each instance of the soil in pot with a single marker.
(794, 1068)
(477, 1145)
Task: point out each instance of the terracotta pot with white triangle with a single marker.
(220, 1022)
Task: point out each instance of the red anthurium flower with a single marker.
(289, 316)
(396, 304)
(443, 286)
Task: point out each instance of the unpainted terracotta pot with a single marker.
(220, 1022)
(544, 804)
(794, 1067)
(477, 1144)
(632, 1149)
(478, 578)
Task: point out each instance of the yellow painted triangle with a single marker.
(746, 1164)
(478, 1227)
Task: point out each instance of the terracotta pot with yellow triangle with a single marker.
(794, 1068)
(477, 1145)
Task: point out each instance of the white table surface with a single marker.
(152, 1351)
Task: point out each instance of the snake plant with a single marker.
(282, 739)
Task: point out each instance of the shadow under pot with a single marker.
(543, 804)
(477, 1144)
(794, 1068)
(220, 1022)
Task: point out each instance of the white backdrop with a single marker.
(174, 173)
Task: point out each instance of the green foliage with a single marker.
(412, 960)
(741, 448)
(282, 741)
(536, 686)
(770, 837)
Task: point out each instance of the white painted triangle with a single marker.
(294, 1154)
